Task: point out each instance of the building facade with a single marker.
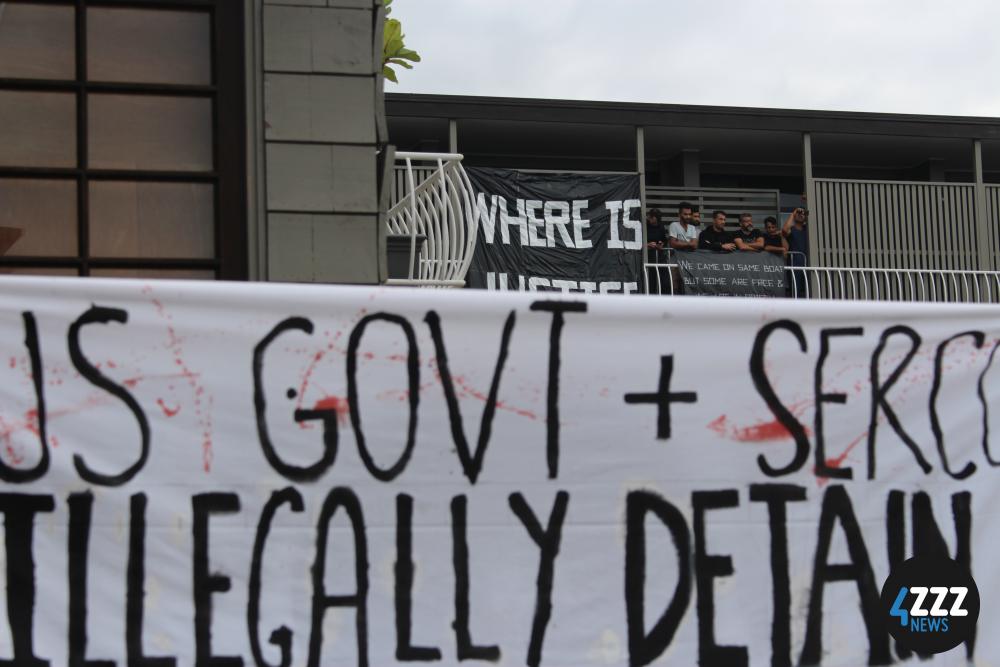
(229, 139)
(884, 190)
(239, 139)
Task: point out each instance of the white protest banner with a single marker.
(249, 474)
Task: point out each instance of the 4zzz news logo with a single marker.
(931, 604)
(935, 619)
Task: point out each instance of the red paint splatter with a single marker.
(397, 357)
(203, 413)
(460, 382)
(31, 421)
(335, 403)
(112, 364)
(169, 412)
(761, 431)
(15, 458)
(368, 355)
(402, 394)
(838, 461)
(13, 362)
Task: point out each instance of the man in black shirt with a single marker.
(656, 235)
(656, 241)
(716, 237)
(748, 237)
(774, 242)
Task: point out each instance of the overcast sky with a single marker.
(905, 56)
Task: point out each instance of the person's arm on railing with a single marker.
(675, 242)
(756, 245)
(778, 249)
(705, 243)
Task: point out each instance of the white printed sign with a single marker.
(247, 474)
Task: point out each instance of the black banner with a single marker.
(732, 273)
(557, 232)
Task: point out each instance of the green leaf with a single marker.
(393, 30)
(393, 47)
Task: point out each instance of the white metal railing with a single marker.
(862, 284)
(924, 285)
(436, 210)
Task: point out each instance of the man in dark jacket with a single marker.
(716, 237)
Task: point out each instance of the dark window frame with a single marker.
(227, 94)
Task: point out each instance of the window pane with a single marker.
(152, 220)
(37, 271)
(37, 41)
(165, 274)
(148, 46)
(150, 132)
(37, 129)
(45, 211)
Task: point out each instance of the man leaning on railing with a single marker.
(748, 237)
(716, 237)
(774, 242)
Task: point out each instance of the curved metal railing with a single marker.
(438, 214)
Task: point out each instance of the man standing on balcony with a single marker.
(774, 242)
(683, 235)
(797, 233)
(696, 218)
(656, 236)
(716, 237)
(747, 236)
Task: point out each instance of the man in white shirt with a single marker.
(683, 235)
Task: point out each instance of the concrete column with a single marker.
(931, 170)
(452, 136)
(640, 164)
(814, 217)
(323, 124)
(256, 176)
(691, 167)
(986, 258)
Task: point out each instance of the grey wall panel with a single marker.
(323, 248)
(321, 104)
(897, 225)
(335, 109)
(300, 177)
